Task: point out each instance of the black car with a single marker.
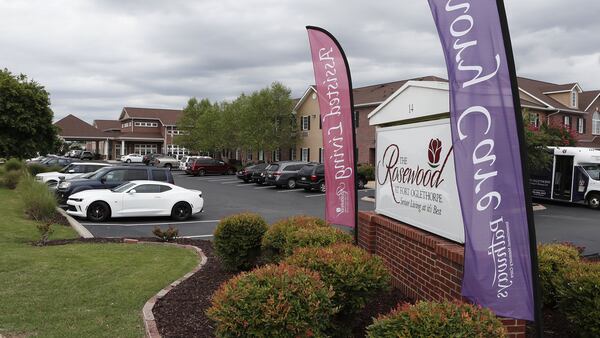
(110, 177)
(87, 155)
(247, 173)
(283, 173)
(312, 177)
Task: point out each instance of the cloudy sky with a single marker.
(94, 57)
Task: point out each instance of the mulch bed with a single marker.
(181, 313)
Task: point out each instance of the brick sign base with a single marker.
(423, 266)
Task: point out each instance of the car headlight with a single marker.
(64, 185)
(76, 199)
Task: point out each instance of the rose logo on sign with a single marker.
(435, 149)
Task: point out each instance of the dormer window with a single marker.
(573, 98)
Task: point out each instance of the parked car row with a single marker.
(81, 154)
(204, 165)
(291, 174)
(99, 191)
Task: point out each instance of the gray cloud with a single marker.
(95, 57)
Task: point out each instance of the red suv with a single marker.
(204, 166)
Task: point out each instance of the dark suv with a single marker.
(110, 177)
(282, 174)
(203, 166)
(247, 173)
(312, 177)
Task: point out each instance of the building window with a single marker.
(596, 123)
(249, 155)
(146, 124)
(144, 149)
(305, 123)
(305, 154)
(580, 125)
(574, 99)
(567, 121)
(321, 154)
(534, 119)
(174, 131)
(292, 153)
(176, 151)
(356, 118)
(125, 125)
(276, 155)
(261, 155)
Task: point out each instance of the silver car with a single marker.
(165, 162)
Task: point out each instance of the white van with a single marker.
(573, 176)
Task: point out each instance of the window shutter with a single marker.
(320, 154)
(308, 118)
(308, 153)
(584, 125)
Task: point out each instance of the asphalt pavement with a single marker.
(226, 195)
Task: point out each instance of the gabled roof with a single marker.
(586, 99)
(539, 91)
(167, 117)
(74, 127)
(106, 125)
(372, 95)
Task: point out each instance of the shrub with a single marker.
(45, 229)
(579, 298)
(428, 319)
(354, 274)
(237, 240)
(37, 201)
(168, 235)
(273, 301)
(36, 168)
(317, 237)
(274, 241)
(14, 165)
(553, 259)
(368, 170)
(11, 179)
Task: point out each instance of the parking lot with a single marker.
(227, 195)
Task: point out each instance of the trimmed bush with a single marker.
(579, 298)
(354, 274)
(36, 168)
(553, 259)
(317, 237)
(274, 241)
(14, 165)
(11, 179)
(37, 201)
(237, 240)
(168, 235)
(428, 319)
(273, 301)
(368, 170)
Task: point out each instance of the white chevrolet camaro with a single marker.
(136, 199)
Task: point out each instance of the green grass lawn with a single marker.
(77, 290)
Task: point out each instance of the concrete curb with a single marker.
(538, 207)
(81, 230)
(148, 316)
(368, 199)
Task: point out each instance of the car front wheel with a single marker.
(361, 184)
(594, 201)
(128, 161)
(181, 211)
(322, 187)
(168, 166)
(98, 212)
(201, 172)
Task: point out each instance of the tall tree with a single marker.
(25, 117)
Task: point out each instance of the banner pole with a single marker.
(522, 144)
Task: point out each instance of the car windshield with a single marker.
(98, 173)
(123, 187)
(593, 170)
(66, 169)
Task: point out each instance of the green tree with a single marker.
(539, 138)
(25, 117)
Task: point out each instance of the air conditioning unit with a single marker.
(305, 133)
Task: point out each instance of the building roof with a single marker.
(375, 94)
(72, 127)
(168, 117)
(587, 98)
(106, 125)
(540, 91)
